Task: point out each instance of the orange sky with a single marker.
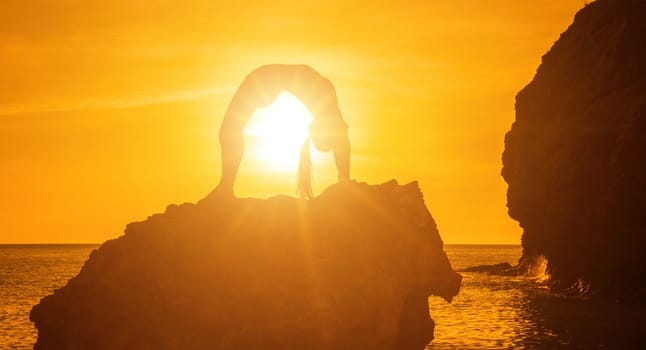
(109, 111)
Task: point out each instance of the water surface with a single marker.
(491, 312)
(28, 273)
(500, 312)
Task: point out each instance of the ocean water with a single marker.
(28, 273)
(491, 312)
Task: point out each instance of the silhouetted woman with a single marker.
(260, 88)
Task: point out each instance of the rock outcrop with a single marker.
(503, 269)
(350, 269)
(575, 158)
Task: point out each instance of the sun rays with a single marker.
(275, 133)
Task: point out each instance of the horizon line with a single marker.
(101, 243)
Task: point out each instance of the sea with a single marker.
(490, 312)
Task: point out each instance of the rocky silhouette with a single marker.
(350, 269)
(575, 156)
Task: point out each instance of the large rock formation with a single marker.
(575, 158)
(350, 269)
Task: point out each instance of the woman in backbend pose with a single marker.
(261, 87)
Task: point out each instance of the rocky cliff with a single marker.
(575, 158)
(350, 269)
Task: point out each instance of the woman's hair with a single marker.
(305, 172)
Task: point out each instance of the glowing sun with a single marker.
(276, 133)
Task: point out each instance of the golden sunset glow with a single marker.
(109, 111)
(273, 140)
(275, 133)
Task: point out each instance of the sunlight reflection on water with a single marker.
(28, 273)
(488, 311)
(499, 312)
(491, 312)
